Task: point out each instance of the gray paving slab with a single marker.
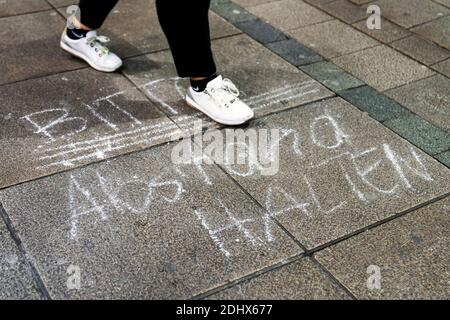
(345, 11)
(421, 50)
(339, 171)
(388, 33)
(14, 7)
(301, 280)
(437, 31)
(333, 38)
(429, 98)
(62, 3)
(409, 13)
(444, 2)
(30, 47)
(409, 254)
(142, 227)
(289, 14)
(251, 3)
(84, 116)
(267, 82)
(382, 67)
(143, 34)
(360, 2)
(16, 280)
(443, 67)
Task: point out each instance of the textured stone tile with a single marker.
(333, 38)
(422, 50)
(301, 280)
(289, 14)
(232, 12)
(81, 118)
(345, 10)
(429, 98)
(383, 68)
(409, 13)
(251, 3)
(376, 104)
(142, 227)
(331, 76)
(437, 31)
(143, 34)
(444, 2)
(360, 2)
(409, 253)
(443, 67)
(388, 33)
(62, 3)
(339, 171)
(13, 7)
(294, 52)
(444, 158)
(261, 31)
(30, 47)
(421, 133)
(16, 280)
(267, 82)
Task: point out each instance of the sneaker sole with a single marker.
(65, 47)
(194, 105)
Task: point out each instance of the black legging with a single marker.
(185, 24)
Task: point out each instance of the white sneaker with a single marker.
(92, 49)
(220, 102)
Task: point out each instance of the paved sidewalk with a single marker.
(360, 207)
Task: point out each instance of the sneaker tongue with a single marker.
(91, 34)
(216, 83)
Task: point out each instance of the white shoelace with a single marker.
(98, 43)
(225, 95)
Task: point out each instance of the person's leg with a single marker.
(186, 26)
(94, 12)
(82, 40)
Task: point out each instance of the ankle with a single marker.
(199, 84)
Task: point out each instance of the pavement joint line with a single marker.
(391, 21)
(328, 60)
(133, 56)
(377, 224)
(118, 156)
(37, 279)
(282, 227)
(250, 276)
(442, 4)
(95, 162)
(28, 12)
(390, 44)
(333, 278)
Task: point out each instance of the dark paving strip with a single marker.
(421, 133)
(40, 286)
